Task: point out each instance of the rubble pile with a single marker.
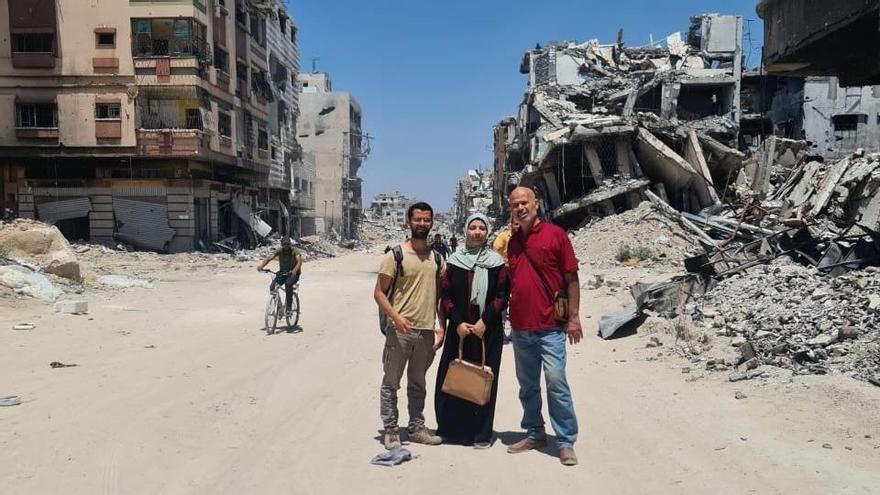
(380, 230)
(603, 242)
(790, 316)
(843, 192)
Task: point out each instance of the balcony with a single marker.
(180, 143)
(303, 201)
(167, 37)
(170, 123)
(222, 79)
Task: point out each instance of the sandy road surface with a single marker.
(179, 391)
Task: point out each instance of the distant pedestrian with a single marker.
(453, 243)
(542, 264)
(412, 334)
(439, 246)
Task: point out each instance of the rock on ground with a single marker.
(39, 244)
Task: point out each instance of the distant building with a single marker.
(473, 195)
(330, 127)
(390, 208)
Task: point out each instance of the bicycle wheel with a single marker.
(293, 311)
(271, 313)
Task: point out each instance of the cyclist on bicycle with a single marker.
(289, 266)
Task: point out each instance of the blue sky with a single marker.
(434, 77)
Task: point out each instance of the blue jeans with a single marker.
(532, 351)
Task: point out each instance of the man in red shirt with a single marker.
(542, 261)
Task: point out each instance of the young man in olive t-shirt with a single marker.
(289, 262)
(412, 335)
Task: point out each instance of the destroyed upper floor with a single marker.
(693, 77)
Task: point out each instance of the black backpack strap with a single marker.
(397, 252)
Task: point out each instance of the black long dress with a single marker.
(460, 421)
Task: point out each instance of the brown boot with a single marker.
(392, 439)
(567, 456)
(526, 444)
(424, 436)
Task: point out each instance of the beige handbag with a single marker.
(467, 380)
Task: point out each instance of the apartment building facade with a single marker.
(147, 122)
(330, 128)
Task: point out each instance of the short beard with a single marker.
(415, 235)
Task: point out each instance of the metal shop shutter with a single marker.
(142, 224)
(65, 209)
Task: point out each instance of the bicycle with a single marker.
(275, 304)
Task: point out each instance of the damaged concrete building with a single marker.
(821, 38)
(330, 127)
(389, 208)
(601, 123)
(834, 121)
(473, 194)
(166, 125)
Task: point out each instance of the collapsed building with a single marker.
(602, 123)
(473, 194)
(772, 180)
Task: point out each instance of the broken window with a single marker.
(848, 121)
(241, 12)
(241, 79)
(697, 102)
(651, 101)
(262, 139)
(221, 59)
(260, 85)
(33, 43)
(105, 40)
(224, 124)
(36, 115)
(159, 37)
(107, 111)
(193, 118)
(258, 30)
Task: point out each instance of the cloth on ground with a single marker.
(393, 457)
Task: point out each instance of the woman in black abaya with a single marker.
(474, 292)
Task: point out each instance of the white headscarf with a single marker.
(478, 259)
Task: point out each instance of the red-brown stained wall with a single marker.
(108, 129)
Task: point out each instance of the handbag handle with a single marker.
(461, 350)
